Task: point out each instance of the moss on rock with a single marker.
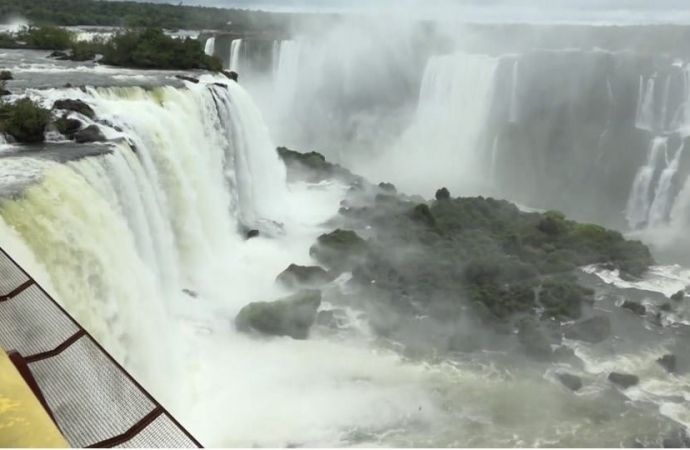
(291, 316)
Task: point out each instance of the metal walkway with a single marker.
(91, 398)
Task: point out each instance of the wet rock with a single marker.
(252, 234)
(462, 342)
(677, 438)
(566, 355)
(536, 344)
(623, 380)
(4, 92)
(304, 276)
(231, 74)
(187, 78)
(572, 382)
(668, 362)
(89, 134)
(6, 75)
(77, 106)
(635, 307)
(60, 56)
(67, 126)
(341, 249)
(190, 293)
(678, 296)
(594, 330)
(291, 316)
(666, 307)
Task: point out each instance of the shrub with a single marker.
(25, 120)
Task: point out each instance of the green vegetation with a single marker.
(477, 252)
(148, 48)
(24, 120)
(140, 14)
(151, 48)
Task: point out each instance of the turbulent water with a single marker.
(162, 207)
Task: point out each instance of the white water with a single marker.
(210, 46)
(639, 201)
(644, 119)
(513, 113)
(454, 101)
(235, 53)
(121, 236)
(662, 195)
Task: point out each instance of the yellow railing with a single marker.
(23, 420)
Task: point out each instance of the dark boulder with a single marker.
(77, 106)
(67, 126)
(304, 276)
(666, 307)
(341, 249)
(190, 293)
(187, 78)
(291, 316)
(677, 438)
(623, 380)
(333, 318)
(635, 307)
(231, 74)
(594, 330)
(6, 75)
(4, 92)
(572, 382)
(89, 134)
(668, 362)
(678, 296)
(252, 234)
(60, 56)
(462, 342)
(534, 341)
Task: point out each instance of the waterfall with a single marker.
(235, 52)
(286, 75)
(513, 115)
(662, 195)
(644, 119)
(121, 235)
(639, 199)
(210, 46)
(441, 147)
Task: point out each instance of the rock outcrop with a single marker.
(291, 316)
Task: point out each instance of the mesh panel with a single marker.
(11, 277)
(32, 325)
(93, 401)
(96, 405)
(151, 435)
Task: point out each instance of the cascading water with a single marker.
(513, 112)
(644, 209)
(639, 202)
(210, 46)
(122, 235)
(662, 195)
(235, 53)
(644, 119)
(443, 140)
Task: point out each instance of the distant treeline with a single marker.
(135, 14)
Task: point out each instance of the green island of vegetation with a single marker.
(147, 48)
